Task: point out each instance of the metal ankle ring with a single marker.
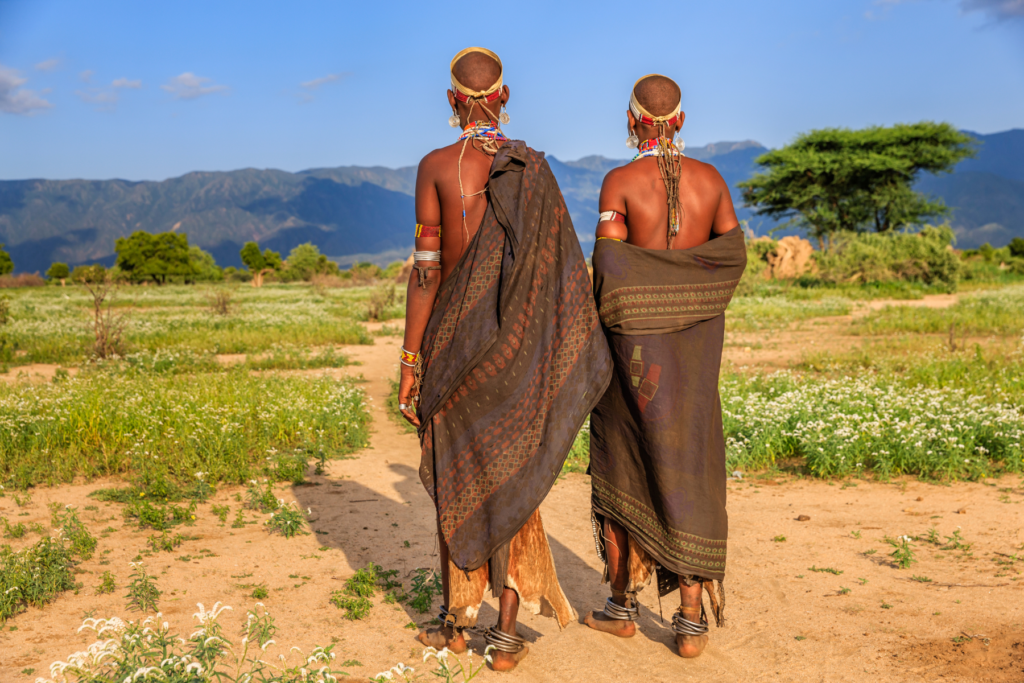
(613, 610)
(449, 619)
(684, 627)
(502, 641)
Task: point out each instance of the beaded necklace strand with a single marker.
(494, 138)
(651, 148)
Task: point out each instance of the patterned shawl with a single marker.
(514, 360)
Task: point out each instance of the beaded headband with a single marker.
(647, 118)
(464, 94)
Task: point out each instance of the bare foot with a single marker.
(506, 661)
(599, 621)
(691, 646)
(440, 637)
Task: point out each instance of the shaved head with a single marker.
(477, 71)
(658, 95)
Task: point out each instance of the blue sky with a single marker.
(150, 90)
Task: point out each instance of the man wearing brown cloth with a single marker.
(502, 361)
(668, 258)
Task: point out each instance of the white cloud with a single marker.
(1000, 10)
(125, 83)
(188, 86)
(86, 76)
(48, 65)
(105, 100)
(324, 80)
(17, 100)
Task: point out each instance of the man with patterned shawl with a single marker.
(503, 359)
(668, 258)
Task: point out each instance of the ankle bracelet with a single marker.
(613, 610)
(684, 627)
(502, 641)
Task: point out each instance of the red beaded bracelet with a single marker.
(409, 359)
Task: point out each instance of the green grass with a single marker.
(53, 324)
(754, 313)
(231, 426)
(998, 312)
(578, 459)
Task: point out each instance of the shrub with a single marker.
(34, 576)
(925, 256)
(21, 280)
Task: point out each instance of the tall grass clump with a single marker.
(847, 426)
(231, 426)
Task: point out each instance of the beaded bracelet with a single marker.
(409, 359)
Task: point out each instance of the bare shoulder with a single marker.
(432, 160)
(619, 175)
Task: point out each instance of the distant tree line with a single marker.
(168, 257)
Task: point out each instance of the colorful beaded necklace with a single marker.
(483, 130)
(650, 148)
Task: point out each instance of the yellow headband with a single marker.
(459, 88)
(640, 113)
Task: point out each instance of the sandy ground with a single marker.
(785, 621)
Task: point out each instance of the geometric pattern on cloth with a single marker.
(513, 361)
(463, 493)
(702, 554)
(665, 302)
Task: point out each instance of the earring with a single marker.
(632, 141)
(504, 118)
(454, 120)
(680, 144)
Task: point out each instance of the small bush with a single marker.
(21, 280)
(925, 257)
(142, 591)
(34, 576)
(287, 520)
(107, 584)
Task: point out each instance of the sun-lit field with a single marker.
(232, 413)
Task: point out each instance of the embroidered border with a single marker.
(689, 549)
(666, 301)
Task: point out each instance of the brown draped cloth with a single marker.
(657, 451)
(513, 361)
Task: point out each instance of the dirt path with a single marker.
(786, 622)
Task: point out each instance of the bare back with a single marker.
(438, 199)
(637, 191)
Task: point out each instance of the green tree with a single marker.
(305, 261)
(6, 264)
(58, 271)
(836, 179)
(89, 274)
(160, 256)
(1017, 247)
(204, 265)
(259, 263)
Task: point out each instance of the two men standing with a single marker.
(505, 354)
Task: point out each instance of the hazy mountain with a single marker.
(367, 213)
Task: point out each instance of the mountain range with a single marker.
(357, 213)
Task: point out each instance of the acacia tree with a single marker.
(837, 179)
(259, 263)
(58, 271)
